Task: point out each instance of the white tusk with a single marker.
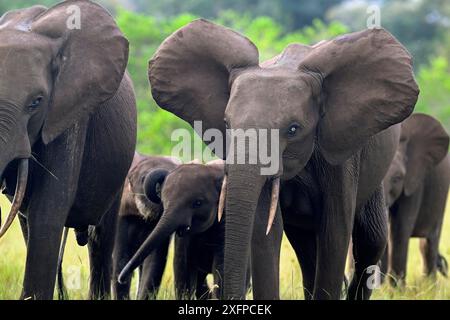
(223, 193)
(273, 203)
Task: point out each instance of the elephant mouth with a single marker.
(7, 177)
(183, 231)
(21, 165)
(275, 193)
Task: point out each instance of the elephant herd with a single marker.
(356, 165)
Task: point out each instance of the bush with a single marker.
(434, 84)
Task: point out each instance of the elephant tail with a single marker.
(62, 292)
(442, 265)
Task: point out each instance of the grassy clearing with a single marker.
(12, 252)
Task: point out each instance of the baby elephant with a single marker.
(416, 188)
(165, 197)
(138, 216)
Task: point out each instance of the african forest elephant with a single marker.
(138, 217)
(67, 122)
(181, 199)
(416, 188)
(334, 106)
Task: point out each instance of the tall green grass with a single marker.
(12, 260)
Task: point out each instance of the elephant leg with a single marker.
(402, 221)
(202, 289)
(369, 242)
(430, 253)
(266, 251)
(184, 272)
(101, 245)
(124, 248)
(42, 254)
(335, 224)
(384, 264)
(42, 258)
(217, 270)
(304, 244)
(398, 260)
(24, 227)
(152, 272)
(49, 206)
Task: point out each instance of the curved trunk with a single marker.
(244, 187)
(163, 230)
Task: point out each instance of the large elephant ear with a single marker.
(191, 71)
(89, 66)
(427, 144)
(367, 85)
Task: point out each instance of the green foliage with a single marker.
(145, 34)
(6, 5)
(270, 37)
(291, 14)
(434, 83)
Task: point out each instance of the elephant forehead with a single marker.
(188, 177)
(19, 41)
(267, 91)
(267, 83)
(23, 55)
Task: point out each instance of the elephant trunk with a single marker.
(21, 184)
(244, 186)
(163, 230)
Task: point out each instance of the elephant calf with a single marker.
(416, 188)
(161, 197)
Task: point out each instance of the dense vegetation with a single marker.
(422, 25)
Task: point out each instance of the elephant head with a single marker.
(189, 195)
(134, 199)
(331, 97)
(57, 66)
(423, 144)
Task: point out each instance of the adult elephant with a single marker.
(333, 105)
(416, 190)
(67, 105)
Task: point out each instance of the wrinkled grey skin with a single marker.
(344, 97)
(416, 188)
(188, 195)
(68, 108)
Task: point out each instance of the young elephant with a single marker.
(138, 217)
(184, 199)
(416, 188)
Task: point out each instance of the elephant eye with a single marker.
(293, 129)
(197, 204)
(35, 103)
